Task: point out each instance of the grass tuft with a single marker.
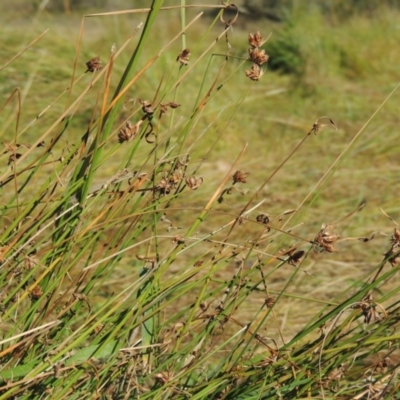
(170, 229)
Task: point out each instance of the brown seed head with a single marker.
(240, 177)
(395, 239)
(94, 65)
(393, 256)
(36, 293)
(263, 218)
(255, 40)
(198, 263)
(255, 73)
(179, 239)
(318, 125)
(269, 301)
(165, 186)
(258, 56)
(14, 157)
(295, 257)
(147, 107)
(183, 57)
(326, 238)
(128, 132)
(193, 182)
(164, 107)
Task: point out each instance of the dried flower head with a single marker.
(175, 177)
(183, 57)
(14, 157)
(165, 186)
(393, 255)
(128, 132)
(36, 293)
(258, 56)
(326, 238)
(164, 107)
(179, 239)
(168, 182)
(395, 239)
(318, 126)
(198, 263)
(240, 177)
(172, 104)
(368, 309)
(255, 40)
(295, 256)
(147, 107)
(193, 182)
(263, 218)
(269, 301)
(94, 65)
(255, 73)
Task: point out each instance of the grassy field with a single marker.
(219, 291)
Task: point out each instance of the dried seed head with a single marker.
(368, 309)
(318, 126)
(326, 238)
(164, 186)
(183, 57)
(255, 73)
(128, 132)
(179, 239)
(198, 263)
(94, 65)
(258, 56)
(295, 257)
(393, 254)
(269, 301)
(193, 182)
(36, 293)
(263, 218)
(164, 107)
(240, 177)
(393, 257)
(14, 157)
(175, 178)
(147, 107)
(172, 104)
(395, 239)
(255, 40)
(169, 182)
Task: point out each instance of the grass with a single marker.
(138, 263)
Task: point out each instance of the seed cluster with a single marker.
(257, 56)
